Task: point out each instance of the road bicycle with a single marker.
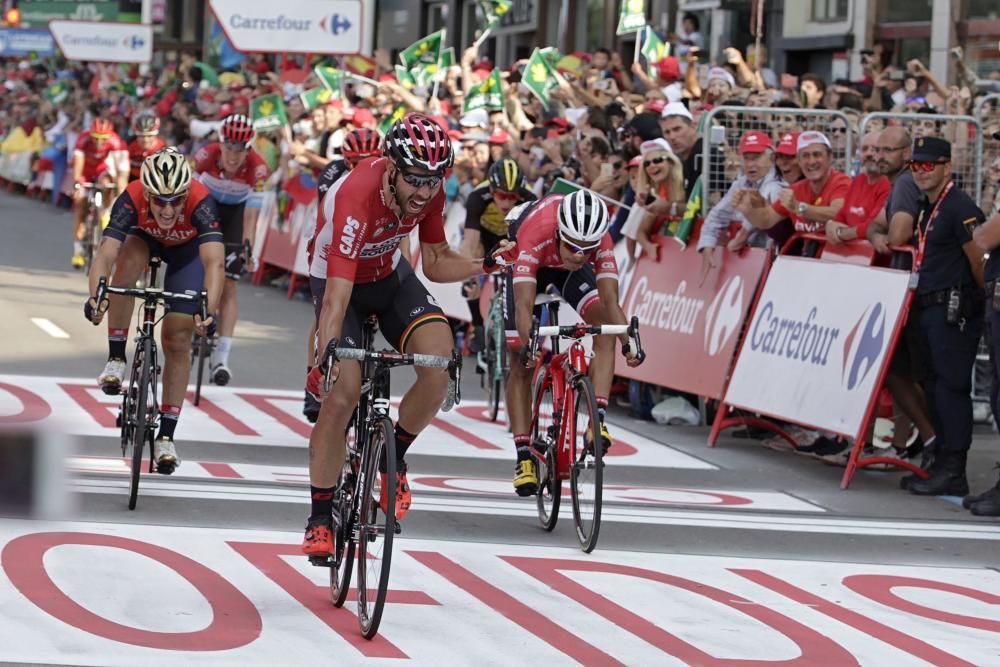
(565, 423)
(92, 223)
(140, 411)
(363, 530)
(494, 352)
(201, 351)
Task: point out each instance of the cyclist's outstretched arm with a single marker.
(444, 265)
(470, 243)
(213, 258)
(331, 317)
(103, 262)
(607, 290)
(524, 304)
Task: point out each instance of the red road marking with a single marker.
(220, 470)
(33, 407)
(869, 626)
(464, 435)
(263, 403)
(723, 499)
(105, 414)
(221, 417)
(235, 621)
(527, 618)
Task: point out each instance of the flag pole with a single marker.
(437, 75)
(358, 77)
(638, 38)
(482, 38)
(760, 33)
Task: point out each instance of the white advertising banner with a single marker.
(292, 26)
(103, 42)
(817, 342)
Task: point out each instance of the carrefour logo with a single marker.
(724, 316)
(134, 42)
(807, 341)
(338, 24)
(335, 24)
(863, 346)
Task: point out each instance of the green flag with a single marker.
(540, 77)
(551, 54)
(56, 93)
(493, 12)
(426, 51)
(486, 95)
(316, 97)
(632, 17)
(331, 78)
(653, 50)
(386, 123)
(424, 75)
(692, 212)
(405, 78)
(564, 187)
(267, 113)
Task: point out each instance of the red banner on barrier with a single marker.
(690, 330)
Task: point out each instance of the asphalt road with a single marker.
(706, 555)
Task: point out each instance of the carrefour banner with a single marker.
(292, 26)
(817, 342)
(689, 324)
(25, 41)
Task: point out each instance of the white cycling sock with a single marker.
(77, 247)
(222, 348)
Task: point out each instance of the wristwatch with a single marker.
(801, 208)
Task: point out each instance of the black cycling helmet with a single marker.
(506, 176)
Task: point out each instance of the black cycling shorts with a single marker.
(231, 220)
(185, 272)
(577, 288)
(400, 301)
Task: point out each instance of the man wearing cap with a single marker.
(948, 305)
(809, 203)
(643, 127)
(864, 200)
(679, 129)
(785, 158)
(720, 85)
(758, 174)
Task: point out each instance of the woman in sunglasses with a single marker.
(369, 212)
(661, 191)
(164, 213)
(562, 241)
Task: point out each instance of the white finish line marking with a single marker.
(49, 327)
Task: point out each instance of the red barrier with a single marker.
(284, 245)
(690, 327)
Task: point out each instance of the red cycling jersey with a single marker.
(97, 160)
(245, 185)
(136, 154)
(538, 244)
(199, 221)
(364, 235)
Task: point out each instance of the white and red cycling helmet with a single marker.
(236, 129)
(417, 141)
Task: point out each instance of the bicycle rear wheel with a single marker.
(494, 374)
(587, 471)
(376, 528)
(200, 356)
(92, 241)
(344, 542)
(145, 398)
(544, 431)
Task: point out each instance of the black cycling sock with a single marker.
(168, 422)
(403, 441)
(522, 442)
(322, 501)
(477, 315)
(117, 339)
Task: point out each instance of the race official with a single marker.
(948, 306)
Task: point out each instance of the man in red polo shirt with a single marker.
(865, 198)
(809, 203)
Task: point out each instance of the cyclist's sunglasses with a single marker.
(506, 196)
(235, 146)
(176, 200)
(100, 137)
(924, 165)
(578, 249)
(421, 180)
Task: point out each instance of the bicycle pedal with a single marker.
(397, 528)
(111, 389)
(321, 561)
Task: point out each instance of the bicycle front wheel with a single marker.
(587, 471)
(145, 399)
(376, 526)
(93, 240)
(544, 431)
(200, 357)
(494, 374)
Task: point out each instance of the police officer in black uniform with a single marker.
(948, 306)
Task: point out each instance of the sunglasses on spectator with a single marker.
(576, 248)
(175, 201)
(617, 165)
(656, 160)
(924, 166)
(838, 130)
(421, 180)
(235, 146)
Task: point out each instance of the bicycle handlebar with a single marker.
(151, 294)
(578, 331)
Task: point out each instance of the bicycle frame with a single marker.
(563, 369)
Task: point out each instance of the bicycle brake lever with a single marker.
(329, 358)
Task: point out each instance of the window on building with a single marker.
(904, 11)
(829, 10)
(595, 24)
(982, 9)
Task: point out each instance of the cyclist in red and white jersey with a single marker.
(235, 175)
(358, 145)
(369, 212)
(562, 241)
(99, 157)
(146, 142)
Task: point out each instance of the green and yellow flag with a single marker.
(386, 123)
(653, 50)
(632, 17)
(692, 212)
(486, 95)
(267, 113)
(540, 77)
(316, 97)
(493, 12)
(405, 78)
(331, 78)
(56, 93)
(424, 52)
(551, 54)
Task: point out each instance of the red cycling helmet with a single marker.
(236, 129)
(361, 143)
(417, 141)
(101, 128)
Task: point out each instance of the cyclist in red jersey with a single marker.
(100, 157)
(358, 145)
(163, 213)
(235, 175)
(562, 241)
(146, 142)
(368, 212)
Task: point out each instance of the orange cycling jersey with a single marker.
(96, 158)
(199, 221)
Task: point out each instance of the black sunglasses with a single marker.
(420, 180)
(656, 160)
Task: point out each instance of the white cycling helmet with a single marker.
(165, 173)
(583, 217)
